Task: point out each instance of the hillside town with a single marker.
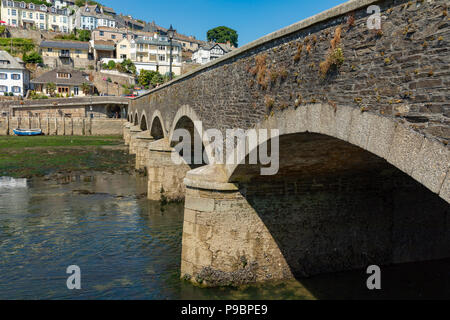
(104, 53)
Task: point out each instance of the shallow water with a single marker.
(130, 248)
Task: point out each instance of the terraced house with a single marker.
(75, 54)
(41, 17)
(91, 17)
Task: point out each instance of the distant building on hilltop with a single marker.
(210, 52)
(14, 77)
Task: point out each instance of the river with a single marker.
(129, 248)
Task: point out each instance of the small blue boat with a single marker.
(27, 132)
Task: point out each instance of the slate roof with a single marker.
(65, 45)
(13, 62)
(104, 45)
(77, 77)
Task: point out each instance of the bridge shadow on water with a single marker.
(334, 207)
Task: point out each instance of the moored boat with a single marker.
(27, 132)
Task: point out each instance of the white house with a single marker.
(91, 17)
(14, 77)
(210, 52)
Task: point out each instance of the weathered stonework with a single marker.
(364, 147)
(165, 178)
(142, 144)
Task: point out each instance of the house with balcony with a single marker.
(151, 53)
(74, 54)
(14, 77)
(67, 83)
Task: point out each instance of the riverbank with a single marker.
(28, 157)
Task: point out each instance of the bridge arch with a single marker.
(136, 118)
(335, 204)
(143, 124)
(424, 159)
(187, 118)
(157, 127)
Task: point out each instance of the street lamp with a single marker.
(171, 33)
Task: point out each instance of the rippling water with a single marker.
(128, 248)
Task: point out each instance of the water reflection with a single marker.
(130, 248)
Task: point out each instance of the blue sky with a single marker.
(252, 19)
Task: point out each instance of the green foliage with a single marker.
(129, 66)
(145, 77)
(14, 45)
(157, 79)
(111, 65)
(86, 88)
(84, 35)
(36, 96)
(33, 57)
(222, 35)
(51, 88)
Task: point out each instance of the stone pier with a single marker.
(165, 177)
(224, 240)
(142, 144)
(126, 133)
(134, 131)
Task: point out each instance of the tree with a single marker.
(33, 57)
(157, 79)
(145, 77)
(51, 89)
(111, 65)
(84, 35)
(129, 66)
(222, 35)
(86, 88)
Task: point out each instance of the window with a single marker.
(50, 50)
(14, 12)
(63, 90)
(41, 16)
(31, 6)
(124, 36)
(24, 14)
(15, 76)
(14, 21)
(76, 91)
(54, 19)
(113, 36)
(3, 89)
(31, 15)
(122, 46)
(162, 58)
(42, 26)
(16, 89)
(22, 5)
(123, 56)
(102, 33)
(63, 75)
(162, 48)
(3, 76)
(78, 52)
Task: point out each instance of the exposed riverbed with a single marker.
(129, 248)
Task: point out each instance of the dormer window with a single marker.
(43, 8)
(53, 9)
(63, 75)
(31, 6)
(23, 4)
(4, 62)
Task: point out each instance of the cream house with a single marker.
(68, 83)
(66, 53)
(151, 53)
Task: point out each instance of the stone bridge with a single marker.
(363, 122)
